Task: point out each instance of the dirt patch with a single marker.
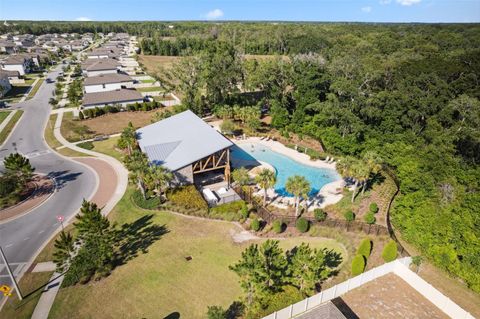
(154, 63)
(390, 297)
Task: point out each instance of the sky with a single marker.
(277, 10)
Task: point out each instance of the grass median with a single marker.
(35, 89)
(10, 125)
(54, 143)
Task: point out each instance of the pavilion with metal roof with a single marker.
(186, 145)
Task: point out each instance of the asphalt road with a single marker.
(22, 237)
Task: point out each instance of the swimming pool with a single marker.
(285, 167)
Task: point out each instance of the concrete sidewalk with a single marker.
(47, 298)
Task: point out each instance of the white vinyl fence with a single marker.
(400, 268)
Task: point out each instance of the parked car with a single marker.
(48, 80)
(100, 138)
(3, 104)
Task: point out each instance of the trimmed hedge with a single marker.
(302, 225)
(187, 197)
(320, 214)
(255, 225)
(390, 251)
(358, 265)
(349, 216)
(278, 226)
(369, 218)
(365, 248)
(374, 208)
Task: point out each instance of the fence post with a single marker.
(306, 304)
(291, 310)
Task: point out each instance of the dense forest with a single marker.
(408, 92)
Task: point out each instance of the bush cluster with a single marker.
(278, 226)
(358, 265)
(374, 208)
(370, 218)
(390, 251)
(349, 216)
(255, 224)
(149, 203)
(187, 197)
(365, 248)
(302, 225)
(98, 111)
(234, 211)
(319, 214)
(86, 145)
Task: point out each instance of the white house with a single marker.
(5, 85)
(100, 66)
(107, 82)
(118, 97)
(18, 63)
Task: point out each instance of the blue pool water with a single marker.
(285, 167)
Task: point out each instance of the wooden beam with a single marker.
(209, 169)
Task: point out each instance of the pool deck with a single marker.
(327, 194)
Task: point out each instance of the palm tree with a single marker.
(266, 179)
(373, 162)
(158, 179)
(299, 187)
(128, 138)
(350, 167)
(137, 164)
(240, 175)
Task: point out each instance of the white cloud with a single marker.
(367, 9)
(383, 2)
(83, 19)
(408, 2)
(214, 14)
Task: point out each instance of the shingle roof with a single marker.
(14, 59)
(180, 140)
(112, 97)
(101, 64)
(107, 78)
(10, 73)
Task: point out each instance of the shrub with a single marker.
(278, 226)
(369, 218)
(349, 216)
(390, 251)
(234, 211)
(149, 203)
(365, 248)
(216, 312)
(187, 197)
(245, 212)
(374, 208)
(255, 225)
(319, 214)
(358, 265)
(86, 145)
(302, 225)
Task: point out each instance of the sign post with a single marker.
(60, 220)
(10, 273)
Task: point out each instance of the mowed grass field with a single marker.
(3, 115)
(160, 281)
(154, 63)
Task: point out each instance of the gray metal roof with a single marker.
(180, 140)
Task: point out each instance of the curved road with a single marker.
(22, 237)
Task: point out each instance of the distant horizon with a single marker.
(341, 11)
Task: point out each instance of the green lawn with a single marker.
(161, 282)
(10, 125)
(35, 89)
(147, 81)
(3, 115)
(108, 147)
(54, 143)
(31, 286)
(150, 89)
(16, 93)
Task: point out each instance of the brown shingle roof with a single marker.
(100, 64)
(111, 97)
(10, 73)
(14, 59)
(107, 78)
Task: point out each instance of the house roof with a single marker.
(100, 64)
(180, 140)
(111, 97)
(107, 78)
(9, 73)
(14, 59)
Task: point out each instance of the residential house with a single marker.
(107, 82)
(7, 46)
(120, 97)
(13, 76)
(100, 66)
(19, 63)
